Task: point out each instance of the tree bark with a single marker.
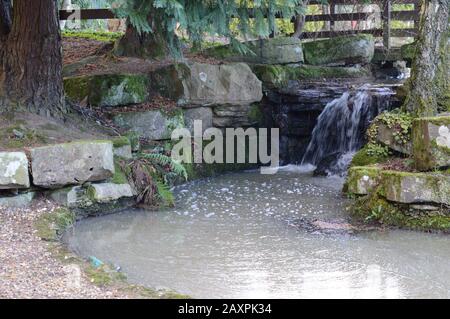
(424, 86)
(32, 60)
(300, 21)
(145, 45)
(5, 17)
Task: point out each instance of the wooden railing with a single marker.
(350, 22)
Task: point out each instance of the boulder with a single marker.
(204, 114)
(14, 170)
(416, 188)
(18, 201)
(153, 125)
(232, 84)
(431, 142)
(385, 136)
(280, 50)
(72, 163)
(344, 50)
(200, 84)
(108, 192)
(108, 89)
(362, 180)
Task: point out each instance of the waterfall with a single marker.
(340, 129)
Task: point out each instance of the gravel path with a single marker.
(27, 267)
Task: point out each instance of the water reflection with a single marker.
(233, 236)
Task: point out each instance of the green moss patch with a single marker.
(93, 35)
(50, 226)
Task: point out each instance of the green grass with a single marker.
(93, 35)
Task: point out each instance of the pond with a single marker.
(238, 236)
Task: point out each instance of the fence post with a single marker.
(332, 11)
(387, 25)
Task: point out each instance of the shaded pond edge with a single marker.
(51, 226)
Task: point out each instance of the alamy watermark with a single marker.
(236, 146)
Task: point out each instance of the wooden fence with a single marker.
(336, 21)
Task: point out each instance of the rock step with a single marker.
(14, 170)
(72, 163)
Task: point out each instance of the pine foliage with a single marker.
(197, 18)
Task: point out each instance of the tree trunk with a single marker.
(32, 60)
(143, 45)
(300, 21)
(424, 86)
(5, 17)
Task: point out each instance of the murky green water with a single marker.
(234, 236)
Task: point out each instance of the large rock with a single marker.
(281, 50)
(431, 142)
(14, 170)
(153, 125)
(18, 201)
(385, 135)
(204, 114)
(108, 89)
(88, 197)
(72, 163)
(362, 180)
(345, 50)
(107, 192)
(201, 84)
(415, 188)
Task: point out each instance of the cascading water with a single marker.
(341, 127)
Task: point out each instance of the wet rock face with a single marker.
(154, 125)
(345, 50)
(431, 142)
(72, 163)
(14, 170)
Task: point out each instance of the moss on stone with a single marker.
(50, 226)
(363, 158)
(375, 208)
(279, 75)
(120, 141)
(337, 49)
(77, 88)
(119, 176)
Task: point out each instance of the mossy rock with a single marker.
(344, 50)
(50, 226)
(363, 158)
(152, 125)
(412, 188)
(375, 208)
(278, 76)
(431, 142)
(108, 90)
(280, 50)
(362, 180)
